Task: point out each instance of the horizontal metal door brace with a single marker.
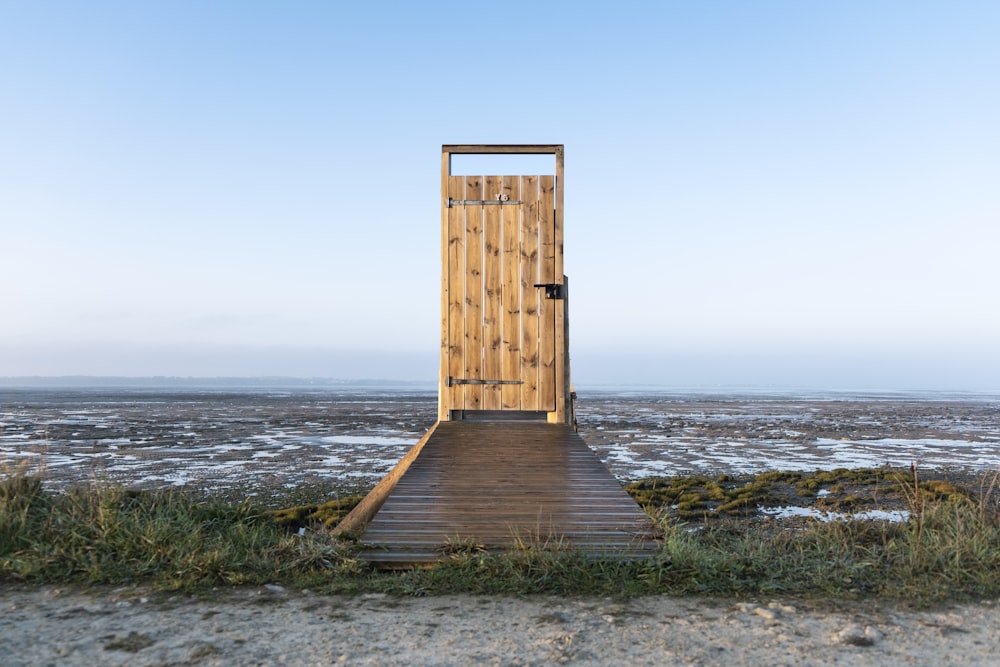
(481, 202)
(453, 381)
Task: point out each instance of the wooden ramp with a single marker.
(500, 485)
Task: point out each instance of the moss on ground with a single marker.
(698, 498)
(327, 514)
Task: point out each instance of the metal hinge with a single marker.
(453, 381)
(483, 202)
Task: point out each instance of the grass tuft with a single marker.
(948, 549)
(326, 515)
(107, 535)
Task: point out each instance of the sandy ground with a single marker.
(272, 626)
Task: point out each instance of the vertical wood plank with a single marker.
(546, 229)
(562, 375)
(492, 238)
(444, 395)
(558, 220)
(547, 307)
(510, 296)
(456, 294)
(473, 293)
(529, 293)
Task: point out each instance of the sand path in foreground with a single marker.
(273, 626)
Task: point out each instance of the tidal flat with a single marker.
(252, 442)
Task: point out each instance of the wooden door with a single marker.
(500, 342)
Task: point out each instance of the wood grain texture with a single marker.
(456, 300)
(473, 293)
(499, 485)
(503, 342)
(530, 276)
(362, 514)
(547, 307)
(510, 295)
(490, 149)
(563, 410)
(492, 282)
(444, 396)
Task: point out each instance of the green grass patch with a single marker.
(948, 549)
(107, 535)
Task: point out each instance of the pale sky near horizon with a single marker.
(757, 193)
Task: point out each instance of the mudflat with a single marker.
(247, 443)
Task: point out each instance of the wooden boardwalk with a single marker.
(503, 484)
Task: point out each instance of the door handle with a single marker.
(552, 290)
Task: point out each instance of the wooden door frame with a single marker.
(563, 410)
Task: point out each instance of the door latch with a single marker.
(553, 290)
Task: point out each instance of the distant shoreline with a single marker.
(178, 382)
(250, 383)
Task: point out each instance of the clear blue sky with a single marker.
(800, 193)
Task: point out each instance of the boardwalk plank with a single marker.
(500, 484)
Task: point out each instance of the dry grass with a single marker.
(949, 548)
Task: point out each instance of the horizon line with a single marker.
(248, 381)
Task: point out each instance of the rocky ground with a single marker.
(272, 626)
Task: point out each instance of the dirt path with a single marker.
(272, 626)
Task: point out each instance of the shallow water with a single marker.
(211, 438)
(351, 437)
(646, 435)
